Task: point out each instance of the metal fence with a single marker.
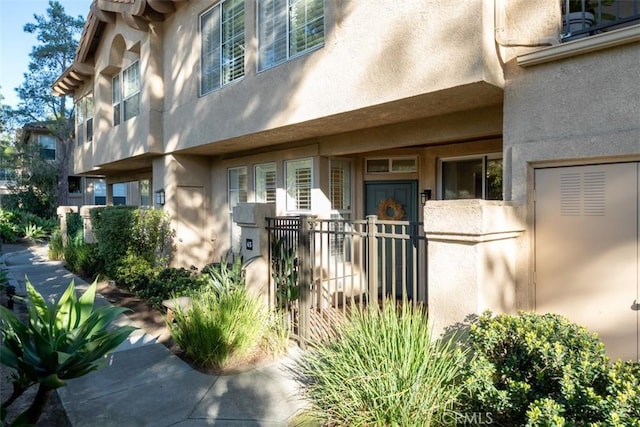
(582, 18)
(321, 268)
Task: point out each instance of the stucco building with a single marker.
(524, 132)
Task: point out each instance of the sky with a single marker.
(15, 44)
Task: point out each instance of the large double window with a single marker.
(84, 119)
(126, 94)
(287, 28)
(222, 44)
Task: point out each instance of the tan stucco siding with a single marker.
(374, 54)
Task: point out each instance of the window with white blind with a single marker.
(222, 45)
(340, 185)
(287, 28)
(340, 195)
(125, 93)
(299, 178)
(265, 183)
(47, 144)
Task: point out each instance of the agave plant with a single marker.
(33, 232)
(58, 342)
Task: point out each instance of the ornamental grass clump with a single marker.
(383, 369)
(218, 328)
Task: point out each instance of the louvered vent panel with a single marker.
(594, 197)
(570, 194)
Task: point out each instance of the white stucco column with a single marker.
(472, 258)
(254, 244)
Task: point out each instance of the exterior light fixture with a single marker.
(160, 197)
(425, 195)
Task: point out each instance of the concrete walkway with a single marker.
(145, 384)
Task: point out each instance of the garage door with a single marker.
(586, 250)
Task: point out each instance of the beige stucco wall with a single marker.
(568, 109)
(473, 258)
(415, 48)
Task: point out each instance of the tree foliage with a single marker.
(57, 34)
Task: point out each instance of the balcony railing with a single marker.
(582, 18)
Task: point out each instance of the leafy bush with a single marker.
(112, 228)
(60, 341)
(544, 370)
(169, 283)
(74, 223)
(80, 257)
(134, 272)
(219, 328)
(9, 224)
(143, 235)
(383, 369)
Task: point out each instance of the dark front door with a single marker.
(396, 200)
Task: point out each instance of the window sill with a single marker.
(581, 46)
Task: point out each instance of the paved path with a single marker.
(144, 384)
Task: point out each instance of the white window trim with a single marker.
(122, 99)
(482, 156)
(255, 182)
(221, 83)
(262, 67)
(290, 199)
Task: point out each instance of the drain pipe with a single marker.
(499, 12)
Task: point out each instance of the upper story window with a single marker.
(126, 94)
(299, 177)
(265, 183)
(84, 119)
(583, 18)
(287, 28)
(222, 41)
(47, 144)
(473, 177)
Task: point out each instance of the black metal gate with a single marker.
(320, 268)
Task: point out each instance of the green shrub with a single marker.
(9, 224)
(56, 246)
(134, 273)
(74, 223)
(541, 369)
(129, 232)
(169, 283)
(80, 257)
(383, 369)
(60, 341)
(112, 228)
(217, 329)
